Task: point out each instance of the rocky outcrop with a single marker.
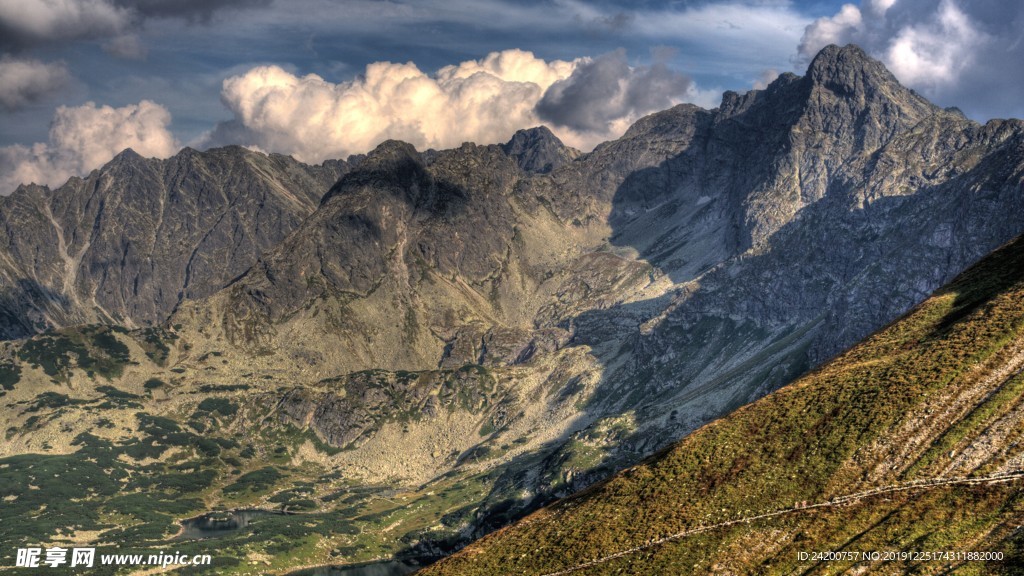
(860, 200)
(405, 252)
(538, 150)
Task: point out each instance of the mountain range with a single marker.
(484, 329)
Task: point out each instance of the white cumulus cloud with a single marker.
(313, 119)
(933, 53)
(483, 101)
(85, 137)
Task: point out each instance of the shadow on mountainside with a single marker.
(20, 312)
(839, 270)
(734, 330)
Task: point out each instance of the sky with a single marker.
(80, 80)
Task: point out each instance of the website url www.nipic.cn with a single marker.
(87, 558)
(899, 556)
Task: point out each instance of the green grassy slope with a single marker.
(937, 395)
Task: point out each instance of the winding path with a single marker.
(836, 501)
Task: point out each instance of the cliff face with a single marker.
(845, 200)
(129, 242)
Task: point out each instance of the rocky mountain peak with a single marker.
(126, 155)
(391, 151)
(538, 150)
(134, 238)
(28, 190)
(848, 71)
(392, 165)
(126, 158)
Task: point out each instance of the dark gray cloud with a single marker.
(230, 132)
(964, 53)
(190, 10)
(117, 24)
(25, 25)
(607, 89)
(24, 81)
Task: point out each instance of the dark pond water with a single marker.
(219, 524)
(388, 568)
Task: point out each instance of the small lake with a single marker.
(387, 568)
(219, 524)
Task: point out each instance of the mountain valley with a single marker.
(411, 349)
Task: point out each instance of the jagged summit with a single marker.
(125, 164)
(129, 159)
(535, 134)
(126, 155)
(28, 189)
(132, 239)
(849, 71)
(393, 165)
(538, 150)
(392, 149)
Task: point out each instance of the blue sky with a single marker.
(177, 54)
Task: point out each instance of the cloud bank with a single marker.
(314, 119)
(24, 24)
(485, 101)
(28, 24)
(190, 10)
(956, 52)
(86, 137)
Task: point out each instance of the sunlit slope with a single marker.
(909, 441)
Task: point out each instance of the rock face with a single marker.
(808, 214)
(794, 221)
(129, 242)
(412, 262)
(538, 150)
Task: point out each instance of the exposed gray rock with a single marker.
(385, 259)
(538, 150)
(793, 221)
(129, 242)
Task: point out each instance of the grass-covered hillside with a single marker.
(921, 424)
